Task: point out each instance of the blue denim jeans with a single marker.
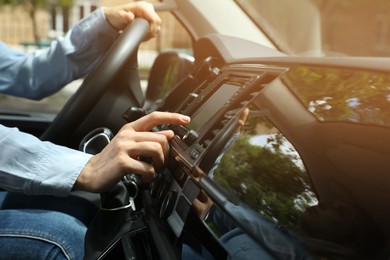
(42, 227)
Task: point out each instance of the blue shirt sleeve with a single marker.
(27, 164)
(42, 73)
(31, 166)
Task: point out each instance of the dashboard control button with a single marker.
(179, 130)
(190, 137)
(194, 154)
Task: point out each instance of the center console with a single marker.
(155, 225)
(214, 105)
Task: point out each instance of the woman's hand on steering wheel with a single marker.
(120, 16)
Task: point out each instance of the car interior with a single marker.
(215, 87)
(257, 147)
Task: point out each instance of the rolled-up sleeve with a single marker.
(31, 166)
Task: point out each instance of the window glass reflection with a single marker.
(276, 214)
(258, 167)
(342, 94)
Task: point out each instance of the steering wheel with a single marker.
(97, 82)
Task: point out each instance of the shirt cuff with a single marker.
(62, 167)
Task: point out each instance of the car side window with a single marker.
(258, 167)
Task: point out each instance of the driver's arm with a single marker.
(31, 166)
(45, 71)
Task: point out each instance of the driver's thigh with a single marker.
(40, 234)
(78, 207)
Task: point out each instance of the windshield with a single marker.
(342, 94)
(324, 27)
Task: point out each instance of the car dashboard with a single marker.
(214, 101)
(237, 100)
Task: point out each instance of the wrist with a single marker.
(83, 180)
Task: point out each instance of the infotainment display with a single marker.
(212, 105)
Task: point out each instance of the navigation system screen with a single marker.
(212, 105)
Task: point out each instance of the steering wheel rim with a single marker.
(97, 82)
